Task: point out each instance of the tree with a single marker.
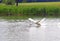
(16, 2)
(9, 2)
(4, 1)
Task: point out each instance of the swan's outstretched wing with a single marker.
(42, 20)
(32, 20)
(37, 22)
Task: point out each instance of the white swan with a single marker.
(37, 22)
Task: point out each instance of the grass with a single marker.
(31, 9)
(18, 17)
(41, 3)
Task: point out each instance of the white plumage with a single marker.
(37, 22)
(32, 20)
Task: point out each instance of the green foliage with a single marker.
(29, 10)
(9, 2)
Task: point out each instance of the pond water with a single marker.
(24, 30)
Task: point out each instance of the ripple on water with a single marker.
(27, 31)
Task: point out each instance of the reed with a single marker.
(37, 9)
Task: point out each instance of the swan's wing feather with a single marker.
(32, 20)
(43, 20)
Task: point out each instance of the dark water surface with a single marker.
(24, 30)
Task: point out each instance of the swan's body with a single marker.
(37, 22)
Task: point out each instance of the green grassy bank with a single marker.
(28, 9)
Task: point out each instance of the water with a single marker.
(24, 30)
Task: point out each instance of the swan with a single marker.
(36, 22)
